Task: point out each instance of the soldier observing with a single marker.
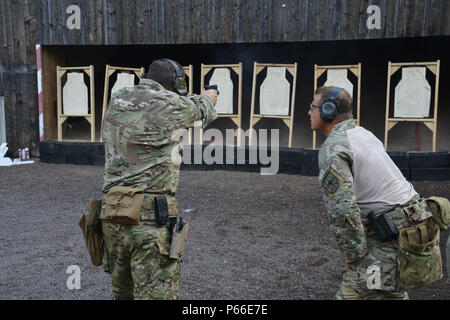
(358, 179)
(143, 234)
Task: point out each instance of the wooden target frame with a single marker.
(62, 117)
(356, 70)
(109, 71)
(288, 120)
(431, 123)
(236, 118)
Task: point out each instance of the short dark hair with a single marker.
(345, 107)
(163, 72)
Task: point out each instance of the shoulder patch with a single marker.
(331, 182)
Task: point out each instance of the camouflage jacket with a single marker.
(336, 182)
(142, 134)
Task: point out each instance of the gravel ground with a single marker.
(251, 236)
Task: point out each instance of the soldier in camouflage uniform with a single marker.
(358, 177)
(143, 151)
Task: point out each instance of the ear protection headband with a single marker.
(179, 84)
(328, 109)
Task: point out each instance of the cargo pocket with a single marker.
(419, 256)
(92, 231)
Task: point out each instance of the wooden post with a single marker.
(436, 99)
(315, 88)
(291, 128)
(92, 82)
(59, 99)
(358, 103)
(388, 93)
(252, 106)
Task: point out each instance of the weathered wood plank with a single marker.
(418, 17)
(132, 25)
(253, 12)
(290, 20)
(220, 26)
(99, 22)
(338, 19)
(263, 21)
(389, 18)
(435, 20)
(175, 21)
(111, 28)
(410, 21)
(311, 23)
(363, 32)
(277, 21)
(443, 17)
(303, 23)
(446, 28)
(240, 20)
(19, 32)
(212, 21)
(320, 19)
(329, 22)
(10, 39)
(248, 21)
(400, 18)
(58, 18)
(168, 31)
(30, 31)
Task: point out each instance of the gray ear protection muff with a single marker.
(179, 84)
(328, 109)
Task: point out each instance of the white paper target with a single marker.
(75, 94)
(274, 92)
(412, 94)
(338, 78)
(124, 80)
(221, 78)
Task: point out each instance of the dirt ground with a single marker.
(251, 236)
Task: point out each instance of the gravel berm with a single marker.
(251, 236)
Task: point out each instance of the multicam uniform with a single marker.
(358, 177)
(143, 151)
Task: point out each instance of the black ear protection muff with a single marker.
(179, 84)
(328, 109)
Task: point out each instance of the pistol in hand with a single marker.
(212, 87)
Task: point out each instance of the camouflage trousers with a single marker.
(137, 257)
(374, 277)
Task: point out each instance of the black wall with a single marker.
(373, 54)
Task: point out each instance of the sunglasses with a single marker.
(312, 106)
